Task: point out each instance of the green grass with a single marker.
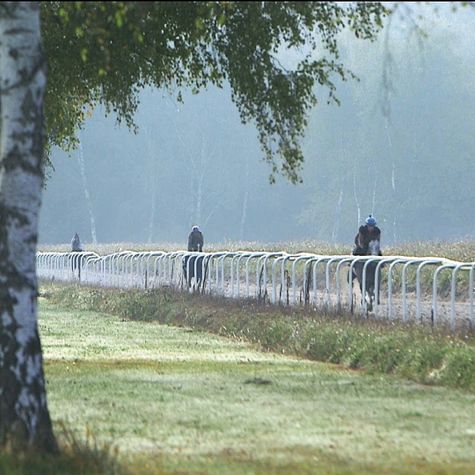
(177, 400)
(422, 354)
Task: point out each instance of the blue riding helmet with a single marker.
(370, 221)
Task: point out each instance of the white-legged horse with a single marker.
(358, 269)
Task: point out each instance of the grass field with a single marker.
(174, 400)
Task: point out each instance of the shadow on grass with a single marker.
(76, 457)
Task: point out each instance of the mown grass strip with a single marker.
(418, 353)
(177, 400)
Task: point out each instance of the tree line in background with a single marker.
(195, 163)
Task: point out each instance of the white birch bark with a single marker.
(24, 416)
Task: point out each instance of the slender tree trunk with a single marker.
(201, 177)
(153, 181)
(337, 218)
(24, 418)
(355, 195)
(393, 185)
(151, 221)
(242, 225)
(244, 203)
(87, 195)
(199, 199)
(375, 185)
(189, 196)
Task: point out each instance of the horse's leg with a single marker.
(199, 273)
(191, 272)
(372, 285)
(379, 288)
(362, 291)
(369, 287)
(351, 278)
(370, 301)
(354, 275)
(199, 279)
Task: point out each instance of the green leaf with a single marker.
(119, 18)
(221, 19)
(84, 53)
(199, 23)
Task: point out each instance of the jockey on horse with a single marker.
(367, 243)
(367, 233)
(195, 240)
(193, 265)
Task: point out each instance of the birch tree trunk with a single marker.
(337, 218)
(153, 180)
(87, 195)
(244, 203)
(355, 195)
(24, 418)
(200, 176)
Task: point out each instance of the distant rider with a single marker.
(76, 244)
(76, 261)
(367, 233)
(195, 240)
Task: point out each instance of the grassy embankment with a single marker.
(177, 400)
(420, 353)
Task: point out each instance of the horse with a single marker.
(76, 263)
(358, 269)
(193, 268)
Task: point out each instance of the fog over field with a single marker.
(412, 166)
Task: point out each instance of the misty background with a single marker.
(400, 146)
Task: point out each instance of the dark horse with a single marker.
(193, 268)
(369, 292)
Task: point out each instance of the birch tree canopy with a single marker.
(105, 53)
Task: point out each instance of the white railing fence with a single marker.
(422, 289)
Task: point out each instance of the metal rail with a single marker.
(419, 289)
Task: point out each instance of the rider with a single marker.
(76, 261)
(76, 243)
(195, 240)
(367, 232)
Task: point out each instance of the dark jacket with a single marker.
(363, 238)
(195, 241)
(76, 244)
